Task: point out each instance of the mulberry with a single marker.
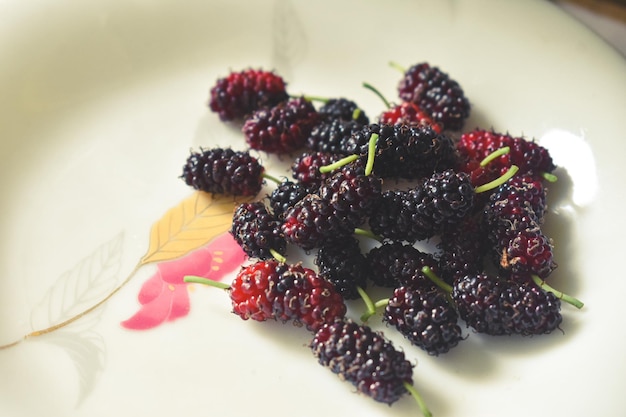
(436, 94)
(364, 358)
(257, 231)
(283, 128)
(241, 93)
(425, 317)
(223, 171)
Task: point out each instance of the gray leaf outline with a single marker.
(80, 287)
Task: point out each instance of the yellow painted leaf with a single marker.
(189, 225)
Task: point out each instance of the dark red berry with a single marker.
(528, 252)
(425, 317)
(272, 290)
(436, 93)
(364, 358)
(283, 128)
(409, 114)
(241, 93)
(529, 156)
(312, 222)
(257, 231)
(330, 135)
(305, 169)
(223, 171)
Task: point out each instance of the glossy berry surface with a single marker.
(223, 171)
(436, 93)
(272, 290)
(341, 262)
(500, 307)
(425, 317)
(241, 93)
(256, 230)
(283, 128)
(364, 358)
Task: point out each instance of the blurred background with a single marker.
(605, 17)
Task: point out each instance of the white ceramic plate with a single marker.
(100, 104)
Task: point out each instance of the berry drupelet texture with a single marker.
(343, 109)
(305, 169)
(283, 128)
(435, 203)
(436, 93)
(529, 156)
(405, 151)
(285, 196)
(312, 222)
(394, 264)
(257, 231)
(500, 307)
(425, 317)
(223, 171)
(351, 193)
(342, 263)
(364, 358)
(241, 93)
(409, 114)
(273, 290)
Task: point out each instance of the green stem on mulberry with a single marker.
(495, 154)
(498, 181)
(205, 281)
(371, 153)
(279, 257)
(382, 303)
(397, 66)
(367, 233)
(567, 298)
(436, 279)
(369, 304)
(338, 164)
(271, 178)
(378, 93)
(549, 177)
(418, 399)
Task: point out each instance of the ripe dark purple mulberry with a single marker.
(405, 151)
(395, 264)
(283, 128)
(313, 222)
(425, 317)
(500, 307)
(257, 231)
(364, 358)
(285, 196)
(342, 263)
(223, 171)
(436, 93)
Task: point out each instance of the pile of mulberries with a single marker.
(449, 223)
